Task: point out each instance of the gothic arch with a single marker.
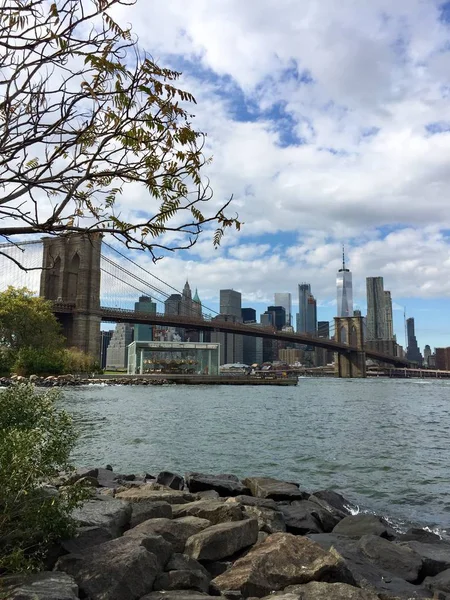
(343, 335)
(53, 280)
(72, 278)
(353, 336)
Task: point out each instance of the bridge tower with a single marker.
(71, 274)
(350, 330)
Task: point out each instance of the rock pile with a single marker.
(71, 380)
(204, 536)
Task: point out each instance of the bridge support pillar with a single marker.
(349, 330)
(71, 273)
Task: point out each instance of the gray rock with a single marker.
(269, 520)
(208, 495)
(171, 480)
(39, 586)
(182, 580)
(122, 569)
(217, 567)
(183, 562)
(334, 503)
(222, 540)
(436, 556)
(85, 538)
(419, 535)
(364, 524)
(301, 517)
(267, 487)
(174, 531)
(177, 595)
(142, 511)
(281, 560)
(440, 582)
(148, 492)
(213, 510)
(224, 484)
(80, 473)
(107, 478)
(105, 512)
(252, 501)
(401, 561)
(319, 590)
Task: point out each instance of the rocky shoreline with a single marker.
(204, 536)
(72, 381)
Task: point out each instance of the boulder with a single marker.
(335, 503)
(107, 478)
(301, 517)
(208, 495)
(171, 480)
(436, 556)
(122, 569)
(39, 586)
(105, 512)
(440, 582)
(182, 580)
(319, 590)
(148, 492)
(364, 524)
(252, 501)
(281, 560)
(174, 531)
(267, 487)
(222, 540)
(142, 511)
(80, 473)
(183, 562)
(213, 510)
(225, 484)
(85, 538)
(401, 561)
(177, 595)
(419, 535)
(269, 520)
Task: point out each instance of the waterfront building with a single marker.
(248, 315)
(279, 316)
(412, 352)
(388, 318)
(284, 299)
(117, 352)
(344, 289)
(144, 333)
(376, 311)
(180, 358)
(307, 310)
(105, 338)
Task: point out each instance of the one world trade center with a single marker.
(344, 290)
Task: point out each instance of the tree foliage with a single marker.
(86, 116)
(36, 439)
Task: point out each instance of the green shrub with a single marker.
(37, 361)
(36, 439)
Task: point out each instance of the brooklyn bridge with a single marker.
(86, 286)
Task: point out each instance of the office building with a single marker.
(426, 355)
(344, 288)
(266, 319)
(144, 333)
(279, 316)
(248, 315)
(323, 329)
(307, 310)
(412, 352)
(105, 338)
(230, 303)
(388, 318)
(442, 359)
(290, 356)
(186, 301)
(197, 305)
(284, 299)
(117, 352)
(172, 306)
(252, 347)
(376, 311)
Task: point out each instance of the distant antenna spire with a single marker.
(343, 257)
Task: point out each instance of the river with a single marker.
(383, 443)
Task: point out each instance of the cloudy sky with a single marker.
(329, 122)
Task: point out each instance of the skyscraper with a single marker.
(412, 352)
(186, 301)
(389, 324)
(230, 303)
(284, 299)
(248, 315)
(231, 345)
(376, 311)
(279, 316)
(344, 289)
(307, 310)
(144, 333)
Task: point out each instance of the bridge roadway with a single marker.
(120, 315)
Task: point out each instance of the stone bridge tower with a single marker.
(71, 274)
(350, 330)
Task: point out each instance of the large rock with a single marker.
(224, 484)
(302, 517)
(103, 511)
(365, 524)
(222, 540)
(171, 480)
(119, 570)
(177, 595)
(269, 520)
(183, 562)
(85, 538)
(319, 590)
(174, 531)
(281, 560)
(39, 586)
(415, 534)
(436, 556)
(401, 561)
(144, 510)
(439, 582)
(366, 574)
(267, 487)
(334, 503)
(182, 580)
(148, 492)
(213, 510)
(252, 501)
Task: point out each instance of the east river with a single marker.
(385, 444)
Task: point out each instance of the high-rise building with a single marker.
(172, 306)
(117, 352)
(248, 315)
(266, 319)
(426, 355)
(279, 316)
(105, 338)
(284, 299)
(323, 329)
(252, 347)
(144, 333)
(412, 352)
(344, 288)
(230, 303)
(307, 310)
(388, 318)
(231, 345)
(376, 311)
(197, 305)
(186, 301)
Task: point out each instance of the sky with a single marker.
(329, 123)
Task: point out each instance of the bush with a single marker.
(76, 361)
(36, 439)
(38, 361)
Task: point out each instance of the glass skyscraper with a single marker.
(344, 289)
(284, 299)
(376, 309)
(307, 310)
